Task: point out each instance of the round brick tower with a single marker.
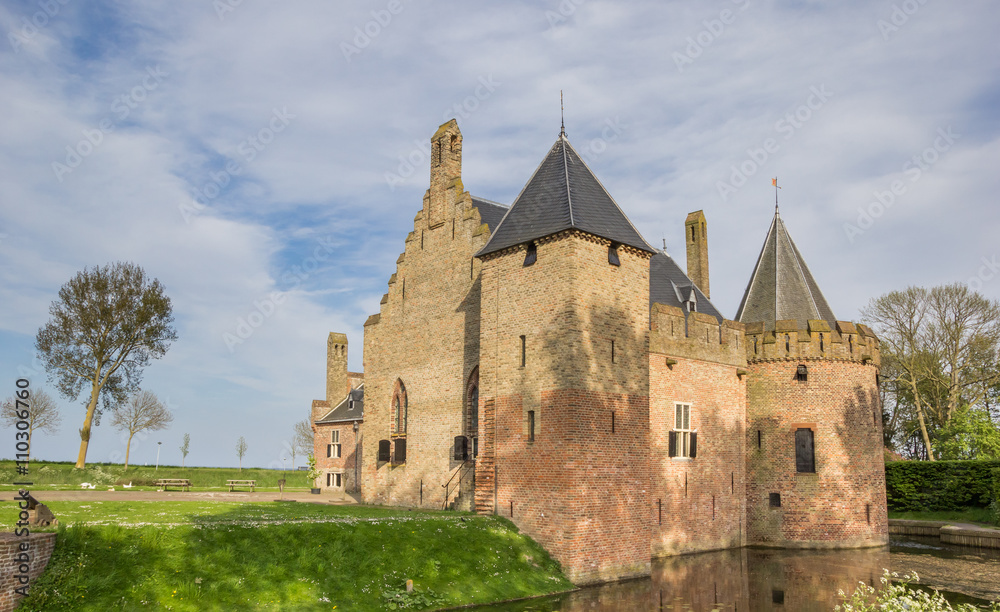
(815, 470)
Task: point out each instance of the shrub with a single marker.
(899, 596)
(939, 485)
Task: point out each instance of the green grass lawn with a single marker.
(983, 516)
(56, 476)
(282, 556)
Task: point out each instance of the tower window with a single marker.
(524, 354)
(801, 373)
(775, 500)
(532, 255)
(612, 351)
(804, 456)
(531, 426)
(400, 408)
(613, 256)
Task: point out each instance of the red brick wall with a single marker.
(41, 547)
(843, 503)
(579, 489)
(348, 455)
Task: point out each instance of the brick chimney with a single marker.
(696, 238)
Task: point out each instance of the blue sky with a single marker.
(269, 158)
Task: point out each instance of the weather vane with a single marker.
(562, 115)
(774, 182)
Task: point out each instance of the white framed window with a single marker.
(335, 480)
(683, 439)
(333, 448)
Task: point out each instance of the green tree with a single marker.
(43, 413)
(185, 448)
(106, 326)
(241, 450)
(142, 412)
(938, 348)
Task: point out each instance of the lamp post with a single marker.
(157, 456)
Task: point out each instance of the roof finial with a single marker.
(664, 245)
(562, 118)
(774, 182)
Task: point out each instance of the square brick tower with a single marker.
(564, 382)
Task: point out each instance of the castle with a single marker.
(544, 363)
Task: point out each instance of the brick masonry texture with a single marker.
(41, 547)
(572, 345)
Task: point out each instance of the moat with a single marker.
(755, 579)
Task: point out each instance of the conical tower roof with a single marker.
(781, 286)
(563, 194)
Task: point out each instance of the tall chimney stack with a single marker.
(695, 228)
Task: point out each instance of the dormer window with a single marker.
(531, 256)
(613, 255)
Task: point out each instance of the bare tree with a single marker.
(43, 413)
(106, 326)
(142, 412)
(935, 344)
(241, 450)
(302, 439)
(185, 448)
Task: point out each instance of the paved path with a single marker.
(339, 498)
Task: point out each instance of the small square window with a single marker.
(802, 373)
(613, 256)
(775, 501)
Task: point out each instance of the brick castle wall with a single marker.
(41, 547)
(580, 488)
(697, 503)
(843, 502)
(426, 335)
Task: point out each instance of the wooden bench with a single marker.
(241, 483)
(183, 483)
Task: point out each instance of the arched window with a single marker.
(472, 404)
(400, 406)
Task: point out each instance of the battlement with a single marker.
(848, 342)
(695, 336)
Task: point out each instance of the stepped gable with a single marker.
(563, 194)
(351, 408)
(669, 285)
(781, 286)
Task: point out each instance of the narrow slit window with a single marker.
(524, 354)
(613, 256)
(612, 351)
(532, 255)
(758, 439)
(531, 426)
(612, 421)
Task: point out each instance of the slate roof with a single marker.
(347, 410)
(781, 286)
(491, 212)
(669, 285)
(563, 194)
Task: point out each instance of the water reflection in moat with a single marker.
(766, 579)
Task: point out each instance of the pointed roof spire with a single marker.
(563, 194)
(562, 116)
(781, 286)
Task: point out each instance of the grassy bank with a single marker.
(54, 476)
(982, 516)
(283, 556)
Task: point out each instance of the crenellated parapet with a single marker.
(696, 336)
(846, 342)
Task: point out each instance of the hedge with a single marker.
(941, 485)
